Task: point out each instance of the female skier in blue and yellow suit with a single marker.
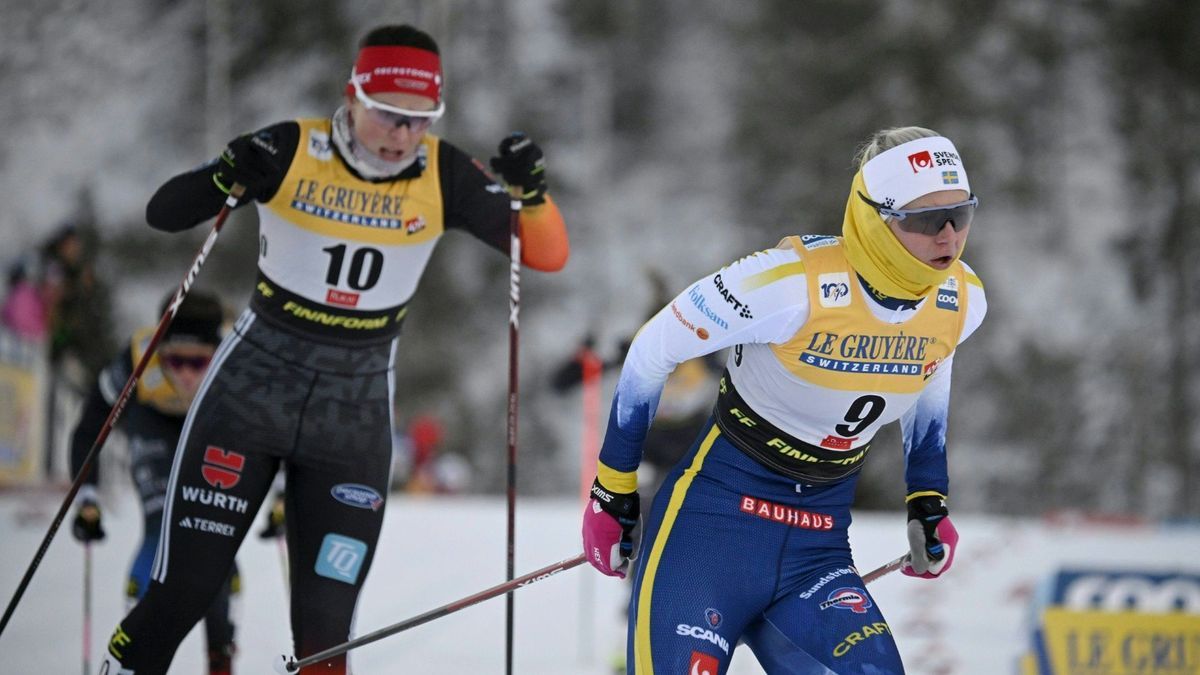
(831, 338)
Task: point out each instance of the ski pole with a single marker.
(287, 664)
(283, 563)
(87, 608)
(119, 406)
(886, 568)
(514, 336)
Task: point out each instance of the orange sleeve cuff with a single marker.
(544, 245)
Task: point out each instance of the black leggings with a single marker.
(325, 413)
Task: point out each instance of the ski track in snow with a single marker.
(435, 550)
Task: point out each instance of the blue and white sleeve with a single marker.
(716, 312)
(924, 430)
(924, 425)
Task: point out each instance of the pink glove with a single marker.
(608, 521)
(932, 538)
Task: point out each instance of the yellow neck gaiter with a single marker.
(879, 257)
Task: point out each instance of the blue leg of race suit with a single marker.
(689, 601)
(839, 629)
(778, 655)
(729, 550)
(139, 571)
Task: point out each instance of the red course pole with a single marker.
(591, 366)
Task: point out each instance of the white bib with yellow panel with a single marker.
(816, 400)
(340, 256)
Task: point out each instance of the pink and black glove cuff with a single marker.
(608, 523)
(932, 539)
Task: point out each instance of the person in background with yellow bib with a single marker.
(152, 422)
(350, 208)
(830, 338)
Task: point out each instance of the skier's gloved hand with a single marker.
(86, 527)
(607, 522)
(931, 537)
(252, 161)
(521, 163)
(274, 527)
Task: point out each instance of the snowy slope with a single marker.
(435, 550)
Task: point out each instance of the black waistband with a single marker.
(316, 355)
(776, 449)
(321, 322)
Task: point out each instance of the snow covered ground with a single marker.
(436, 550)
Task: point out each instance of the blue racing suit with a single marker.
(747, 539)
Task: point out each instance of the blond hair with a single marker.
(886, 139)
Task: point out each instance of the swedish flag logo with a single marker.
(949, 178)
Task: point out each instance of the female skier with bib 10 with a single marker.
(831, 338)
(350, 209)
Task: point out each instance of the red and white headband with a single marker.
(913, 169)
(404, 70)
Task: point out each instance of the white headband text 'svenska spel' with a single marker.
(913, 169)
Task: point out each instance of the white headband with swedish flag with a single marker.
(913, 169)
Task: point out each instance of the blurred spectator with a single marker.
(62, 257)
(572, 371)
(24, 311)
(79, 323)
(420, 467)
(77, 303)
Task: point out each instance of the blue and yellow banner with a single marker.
(1119, 643)
(1116, 622)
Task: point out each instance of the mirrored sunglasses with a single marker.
(394, 120)
(392, 116)
(929, 220)
(179, 362)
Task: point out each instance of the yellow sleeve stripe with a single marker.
(972, 279)
(622, 482)
(923, 493)
(756, 281)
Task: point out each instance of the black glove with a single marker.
(253, 162)
(274, 525)
(86, 526)
(521, 163)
